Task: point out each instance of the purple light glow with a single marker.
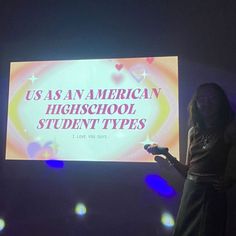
(159, 185)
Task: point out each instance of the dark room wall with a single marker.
(36, 200)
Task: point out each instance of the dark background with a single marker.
(38, 201)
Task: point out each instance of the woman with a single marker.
(202, 210)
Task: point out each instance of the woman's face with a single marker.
(208, 102)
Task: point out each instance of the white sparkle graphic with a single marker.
(33, 78)
(144, 74)
(147, 141)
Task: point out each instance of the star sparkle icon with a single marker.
(147, 141)
(33, 78)
(144, 74)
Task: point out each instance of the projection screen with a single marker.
(92, 110)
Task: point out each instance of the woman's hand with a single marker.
(154, 149)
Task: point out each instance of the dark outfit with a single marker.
(202, 209)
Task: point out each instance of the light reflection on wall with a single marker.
(159, 185)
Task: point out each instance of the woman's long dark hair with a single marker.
(226, 114)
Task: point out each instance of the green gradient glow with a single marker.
(80, 209)
(167, 220)
(2, 224)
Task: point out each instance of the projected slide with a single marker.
(92, 110)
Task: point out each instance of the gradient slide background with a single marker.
(148, 113)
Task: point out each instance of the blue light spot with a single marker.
(55, 163)
(159, 185)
